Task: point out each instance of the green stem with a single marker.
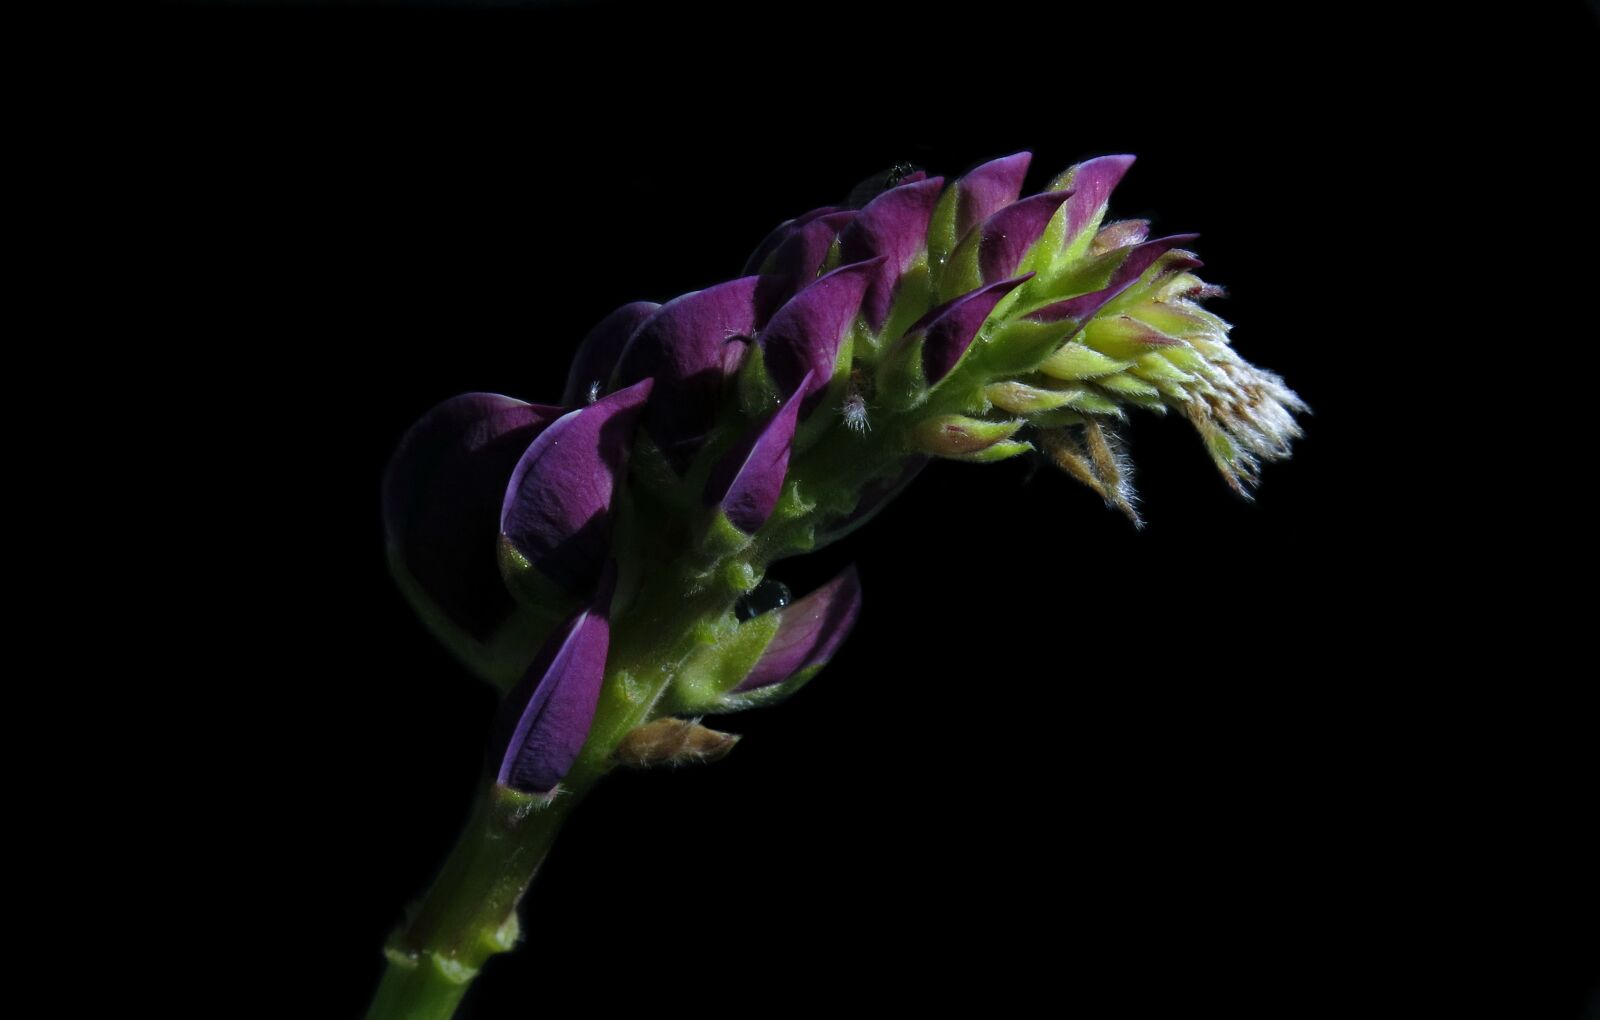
(470, 912)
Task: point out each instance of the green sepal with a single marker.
(1121, 336)
(942, 231)
(1180, 320)
(912, 298)
(722, 662)
(1124, 385)
(762, 696)
(1003, 450)
(502, 659)
(956, 435)
(528, 584)
(719, 537)
(758, 394)
(1015, 347)
(961, 270)
(901, 382)
(1075, 361)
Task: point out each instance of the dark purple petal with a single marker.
(441, 503)
(597, 355)
(1140, 258)
(1091, 183)
(949, 329)
(794, 264)
(988, 189)
(546, 718)
(1009, 233)
(770, 243)
(802, 340)
(809, 631)
(748, 480)
(557, 508)
(893, 225)
(690, 347)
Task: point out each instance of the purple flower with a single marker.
(893, 227)
(597, 355)
(546, 719)
(442, 493)
(809, 632)
(691, 346)
(801, 343)
(748, 480)
(557, 507)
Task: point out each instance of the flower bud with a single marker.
(894, 227)
(746, 483)
(545, 721)
(671, 741)
(954, 435)
(555, 520)
(442, 493)
(800, 347)
(691, 346)
(597, 355)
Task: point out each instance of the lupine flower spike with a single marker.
(604, 561)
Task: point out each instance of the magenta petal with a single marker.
(1140, 258)
(893, 225)
(1009, 233)
(988, 189)
(793, 266)
(690, 347)
(597, 355)
(546, 718)
(557, 508)
(801, 342)
(748, 480)
(1091, 185)
(809, 631)
(949, 329)
(441, 503)
(779, 234)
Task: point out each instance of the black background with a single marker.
(1231, 763)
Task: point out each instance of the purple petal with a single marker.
(1140, 258)
(597, 355)
(779, 234)
(557, 507)
(949, 329)
(988, 189)
(869, 188)
(802, 340)
(894, 225)
(794, 264)
(809, 631)
(547, 717)
(1091, 183)
(748, 480)
(441, 503)
(1009, 233)
(690, 348)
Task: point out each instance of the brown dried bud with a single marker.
(673, 742)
